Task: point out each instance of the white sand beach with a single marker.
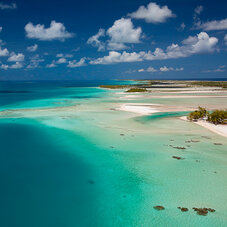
(218, 129)
(139, 108)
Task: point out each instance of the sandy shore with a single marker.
(147, 109)
(218, 129)
(139, 108)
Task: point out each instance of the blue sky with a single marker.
(100, 39)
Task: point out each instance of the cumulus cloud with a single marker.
(182, 26)
(116, 57)
(151, 69)
(202, 43)
(17, 65)
(225, 39)
(5, 67)
(122, 32)
(34, 62)
(94, 40)
(60, 55)
(56, 31)
(75, 64)
(141, 70)
(162, 69)
(32, 48)
(16, 57)
(198, 9)
(4, 52)
(212, 25)
(7, 6)
(119, 35)
(61, 61)
(167, 69)
(153, 13)
(51, 65)
(220, 69)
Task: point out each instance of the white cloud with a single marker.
(51, 65)
(153, 13)
(17, 65)
(0, 29)
(7, 6)
(75, 64)
(198, 9)
(166, 69)
(182, 26)
(4, 52)
(94, 40)
(32, 48)
(61, 61)
(141, 70)
(116, 46)
(201, 43)
(220, 69)
(225, 39)
(16, 57)
(162, 69)
(116, 57)
(56, 31)
(60, 55)
(212, 25)
(151, 69)
(34, 62)
(5, 67)
(179, 69)
(122, 32)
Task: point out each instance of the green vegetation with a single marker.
(209, 83)
(137, 90)
(198, 114)
(215, 117)
(218, 117)
(114, 86)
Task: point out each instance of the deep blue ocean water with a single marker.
(42, 184)
(43, 181)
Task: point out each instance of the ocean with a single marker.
(67, 158)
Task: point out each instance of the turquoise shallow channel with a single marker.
(68, 159)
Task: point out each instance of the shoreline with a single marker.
(139, 108)
(148, 109)
(218, 129)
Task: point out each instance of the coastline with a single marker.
(139, 108)
(218, 129)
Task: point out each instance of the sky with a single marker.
(120, 39)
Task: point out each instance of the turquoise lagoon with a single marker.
(69, 159)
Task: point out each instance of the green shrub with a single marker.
(198, 114)
(218, 117)
(137, 90)
(222, 84)
(114, 86)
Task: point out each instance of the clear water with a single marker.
(68, 159)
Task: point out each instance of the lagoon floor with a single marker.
(70, 156)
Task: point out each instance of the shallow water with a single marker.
(68, 159)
